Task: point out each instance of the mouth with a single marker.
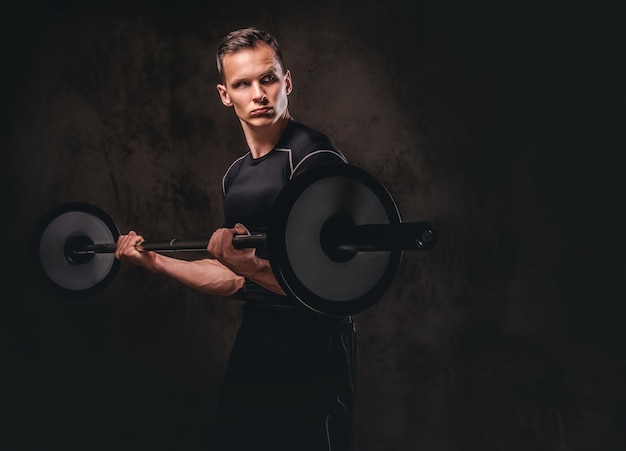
(265, 111)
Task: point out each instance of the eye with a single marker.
(269, 78)
(241, 84)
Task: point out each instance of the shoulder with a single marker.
(308, 147)
(303, 139)
(232, 171)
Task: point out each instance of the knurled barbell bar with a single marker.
(335, 241)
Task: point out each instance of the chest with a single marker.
(252, 189)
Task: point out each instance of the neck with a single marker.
(261, 140)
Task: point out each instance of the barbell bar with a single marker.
(335, 240)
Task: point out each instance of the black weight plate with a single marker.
(299, 262)
(52, 232)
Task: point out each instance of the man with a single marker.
(291, 377)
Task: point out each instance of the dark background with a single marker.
(500, 121)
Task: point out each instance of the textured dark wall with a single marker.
(500, 123)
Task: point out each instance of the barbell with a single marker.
(335, 241)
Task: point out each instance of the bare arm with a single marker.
(242, 261)
(206, 275)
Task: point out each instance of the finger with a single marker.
(126, 244)
(215, 243)
(240, 229)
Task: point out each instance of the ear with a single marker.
(224, 97)
(288, 82)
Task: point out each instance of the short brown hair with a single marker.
(245, 38)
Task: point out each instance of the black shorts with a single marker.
(290, 384)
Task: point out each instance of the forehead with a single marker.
(250, 62)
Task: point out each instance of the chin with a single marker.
(260, 121)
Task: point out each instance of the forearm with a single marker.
(262, 274)
(206, 275)
(242, 261)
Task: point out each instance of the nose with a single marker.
(259, 94)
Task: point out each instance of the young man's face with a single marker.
(255, 85)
